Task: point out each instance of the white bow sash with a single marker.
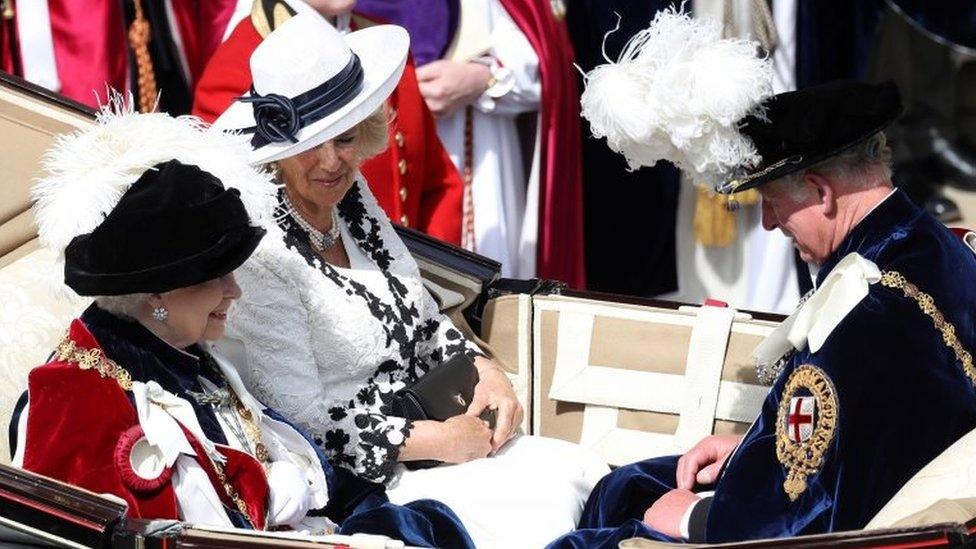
(842, 289)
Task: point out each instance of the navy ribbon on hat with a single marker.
(278, 118)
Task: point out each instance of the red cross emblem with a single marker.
(799, 423)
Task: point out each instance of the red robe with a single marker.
(75, 421)
(560, 239)
(91, 49)
(414, 180)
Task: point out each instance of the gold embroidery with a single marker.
(804, 458)
(731, 186)
(89, 359)
(894, 279)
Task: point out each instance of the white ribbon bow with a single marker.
(843, 288)
(160, 415)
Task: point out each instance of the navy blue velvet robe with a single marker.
(902, 398)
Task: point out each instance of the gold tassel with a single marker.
(8, 9)
(715, 215)
(139, 36)
(749, 197)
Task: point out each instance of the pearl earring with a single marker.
(160, 313)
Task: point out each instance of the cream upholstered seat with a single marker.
(37, 309)
(950, 476)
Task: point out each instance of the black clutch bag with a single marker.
(445, 391)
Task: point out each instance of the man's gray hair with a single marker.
(863, 166)
(123, 306)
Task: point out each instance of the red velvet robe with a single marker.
(91, 50)
(414, 180)
(560, 239)
(75, 421)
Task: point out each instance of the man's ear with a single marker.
(826, 196)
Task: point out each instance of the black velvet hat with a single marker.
(808, 126)
(176, 226)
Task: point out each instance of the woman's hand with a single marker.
(464, 438)
(494, 391)
(457, 440)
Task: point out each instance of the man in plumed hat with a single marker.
(873, 372)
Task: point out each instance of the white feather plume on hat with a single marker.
(676, 93)
(87, 172)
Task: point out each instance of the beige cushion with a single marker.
(952, 475)
(944, 510)
(37, 309)
(614, 377)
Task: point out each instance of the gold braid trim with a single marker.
(93, 359)
(267, 15)
(802, 459)
(894, 279)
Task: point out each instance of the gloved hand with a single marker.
(289, 493)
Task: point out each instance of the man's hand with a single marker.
(666, 513)
(450, 85)
(494, 391)
(702, 463)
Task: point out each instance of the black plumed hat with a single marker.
(805, 127)
(176, 226)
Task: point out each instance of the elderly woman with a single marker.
(335, 317)
(135, 402)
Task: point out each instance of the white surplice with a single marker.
(499, 186)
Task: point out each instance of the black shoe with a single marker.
(955, 160)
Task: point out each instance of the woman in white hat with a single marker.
(153, 215)
(335, 317)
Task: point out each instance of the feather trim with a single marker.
(87, 172)
(677, 92)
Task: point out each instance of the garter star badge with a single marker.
(805, 425)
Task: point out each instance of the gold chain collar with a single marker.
(92, 359)
(894, 279)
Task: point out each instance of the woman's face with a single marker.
(197, 312)
(317, 179)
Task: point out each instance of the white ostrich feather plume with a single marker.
(87, 172)
(676, 93)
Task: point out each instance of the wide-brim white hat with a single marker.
(306, 54)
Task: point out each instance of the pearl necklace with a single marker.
(320, 241)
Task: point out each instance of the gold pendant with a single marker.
(794, 485)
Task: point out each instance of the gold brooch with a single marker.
(805, 426)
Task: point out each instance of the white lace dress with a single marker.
(327, 346)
